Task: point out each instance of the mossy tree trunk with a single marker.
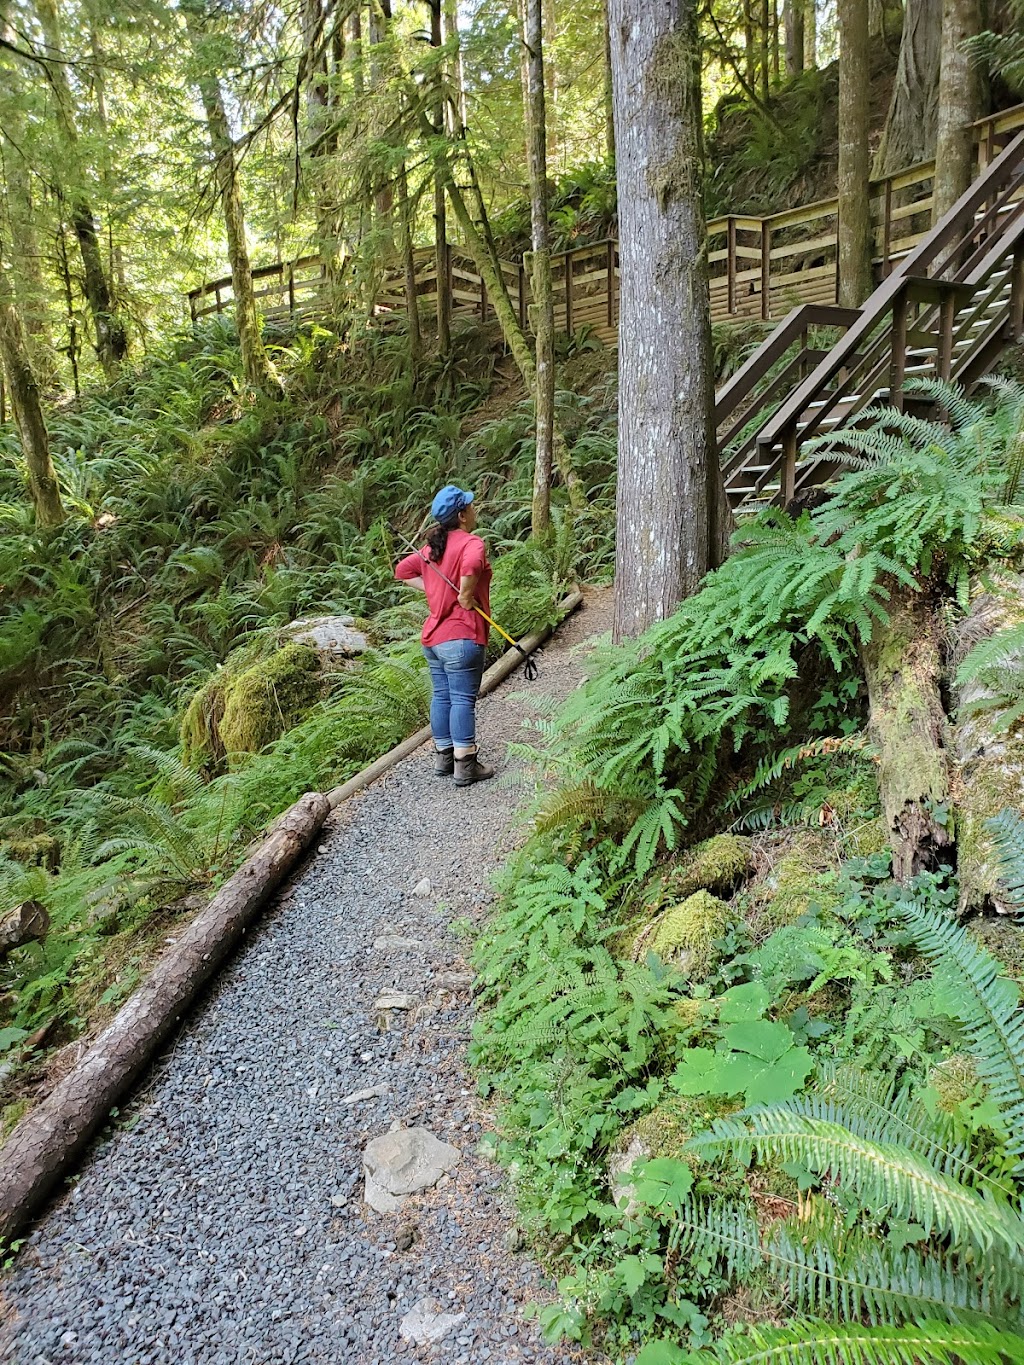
(28, 411)
(960, 95)
(907, 724)
(109, 325)
(543, 307)
(988, 773)
(854, 244)
(672, 518)
(911, 122)
(485, 258)
(256, 364)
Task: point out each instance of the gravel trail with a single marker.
(223, 1220)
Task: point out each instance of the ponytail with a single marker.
(437, 539)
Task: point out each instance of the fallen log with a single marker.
(43, 1145)
(988, 756)
(27, 923)
(907, 724)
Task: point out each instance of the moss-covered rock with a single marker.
(685, 934)
(1004, 939)
(866, 838)
(718, 864)
(954, 1081)
(661, 1133)
(249, 702)
(803, 878)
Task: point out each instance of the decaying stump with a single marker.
(45, 1142)
(989, 758)
(907, 724)
(26, 924)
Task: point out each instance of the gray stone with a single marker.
(422, 888)
(331, 635)
(391, 942)
(425, 1324)
(378, 1197)
(370, 1093)
(409, 1160)
(394, 1000)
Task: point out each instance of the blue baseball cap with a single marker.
(450, 502)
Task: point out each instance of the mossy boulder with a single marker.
(1004, 939)
(685, 934)
(802, 878)
(718, 864)
(663, 1132)
(954, 1081)
(250, 702)
(866, 838)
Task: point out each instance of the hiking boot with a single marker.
(469, 770)
(444, 762)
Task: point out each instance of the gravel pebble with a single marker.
(221, 1221)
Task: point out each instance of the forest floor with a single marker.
(222, 1220)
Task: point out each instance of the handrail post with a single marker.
(291, 288)
(886, 227)
(483, 299)
(1017, 294)
(568, 293)
(787, 474)
(730, 266)
(220, 307)
(766, 269)
(898, 365)
(522, 295)
(944, 353)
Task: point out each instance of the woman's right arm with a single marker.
(410, 570)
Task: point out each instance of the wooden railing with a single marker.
(760, 267)
(955, 300)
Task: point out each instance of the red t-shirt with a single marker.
(463, 555)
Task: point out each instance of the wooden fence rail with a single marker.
(760, 268)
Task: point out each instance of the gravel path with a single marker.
(223, 1222)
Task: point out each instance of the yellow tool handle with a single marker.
(480, 612)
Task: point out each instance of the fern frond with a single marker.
(812, 1342)
(885, 1175)
(987, 1005)
(1007, 829)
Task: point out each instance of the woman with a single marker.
(454, 636)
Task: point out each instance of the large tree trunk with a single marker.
(794, 24)
(911, 123)
(444, 293)
(256, 365)
(543, 309)
(810, 35)
(111, 332)
(47, 1140)
(412, 303)
(609, 104)
(672, 519)
(989, 756)
(28, 411)
(854, 244)
(907, 725)
(960, 95)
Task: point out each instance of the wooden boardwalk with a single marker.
(760, 267)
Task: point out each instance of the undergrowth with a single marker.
(793, 1132)
(199, 525)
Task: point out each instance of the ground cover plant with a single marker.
(202, 521)
(759, 1052)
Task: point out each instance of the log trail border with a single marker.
(43, 1146)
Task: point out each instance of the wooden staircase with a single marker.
(946, 310)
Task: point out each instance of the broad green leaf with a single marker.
(761, 1038)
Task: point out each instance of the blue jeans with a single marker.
(456, 668)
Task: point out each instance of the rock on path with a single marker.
(223, 1222)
